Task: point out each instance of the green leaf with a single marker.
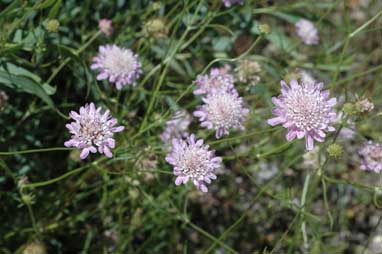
(280, 40)
(22, 80)
(10, 8)
(44, 5)
(53, 12)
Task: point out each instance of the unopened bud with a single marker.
(335, 151)
(52, 25)
(264, 28)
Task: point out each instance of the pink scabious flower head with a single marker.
(228, 3)
(176, 127)
(222, 111)
(218, 79)
(307, 32)
(371, 154)
(305, 111)
(193, 161)
(105, 26)
(119, 65)
(92, 130)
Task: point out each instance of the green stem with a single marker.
(67, 60)
(42, 150)
(57, 179)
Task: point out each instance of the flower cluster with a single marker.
(105, 26)
(305, 111)
(303, 108)
(371, 154)
(92, 130)
(119, 65)
(307, 32)
(176, 127)
(223, 109)
(248, 72)
(193, 161)
(218, 79)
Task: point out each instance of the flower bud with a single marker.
(264, 28)
(52, 25)
(34, 248)
(156, 28)
(335, 151)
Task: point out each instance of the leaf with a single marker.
(24, 81)
(223, 43)
(44, 5)
(29, 39)
(13, 7)
(53, 12)
(280, 40)
(50, 90)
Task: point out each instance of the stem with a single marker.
(67, 60)
(42, 150)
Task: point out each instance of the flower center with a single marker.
(195, 162)
(376, 153)
(306, 109)
(223, 110)
(119, 61)
(93, 131)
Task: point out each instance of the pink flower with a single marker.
(371, 155)
(193, 161)
(105, 26)
(176, 127)
(307, 32)
(305, 111)
(218, 79)
(118, 65)
(222, 111)
(92, 130)
(228, 3)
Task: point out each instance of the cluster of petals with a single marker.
(228, 3)
(307, 32)
(371, 154)
(176, 127)
(192, 160)
(217, 79)
(222, 111)
(305, 110)
(105, 26)
(119, 65)
(92, 130)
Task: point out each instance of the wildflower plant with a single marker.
(222, 111)
(105, 26)
(217, 79)
(92, 130)
(305, 111)
(118, 65)
(371, 154)
(193, 161)
(308, 33)
(176, 127)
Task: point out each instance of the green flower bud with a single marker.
(264, 28)
(156, 28)
(349, 109)
(34, 248)
(52, 25)
(335, 151)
